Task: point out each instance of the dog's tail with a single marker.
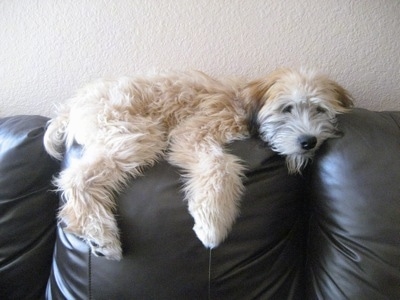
(55, 136)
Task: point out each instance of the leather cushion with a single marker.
(27, 208)
(262, 258)
(354, 244)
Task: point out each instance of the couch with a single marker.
(332, 232)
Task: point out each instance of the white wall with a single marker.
(48, 48)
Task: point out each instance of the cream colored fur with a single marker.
(126, 124)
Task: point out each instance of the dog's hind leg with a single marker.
(213, 182)
(90, 182)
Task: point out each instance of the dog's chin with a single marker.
(296, 159)
(296, 162)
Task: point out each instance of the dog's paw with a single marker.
(106, 245)
(111, 251)
(210, 236)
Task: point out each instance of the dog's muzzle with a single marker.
(307, 142)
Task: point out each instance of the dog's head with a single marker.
(295, 112)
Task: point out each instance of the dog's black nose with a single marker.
(308, 142)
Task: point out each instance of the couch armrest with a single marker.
(27, 208)
(354, 244)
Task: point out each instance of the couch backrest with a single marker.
(262, 258)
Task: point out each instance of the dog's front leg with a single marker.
(88, 208)
(213, 185)
(90, 182)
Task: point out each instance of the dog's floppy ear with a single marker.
(256, 91)
(345, 100)
(255, 95)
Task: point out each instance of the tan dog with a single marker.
(127, 124)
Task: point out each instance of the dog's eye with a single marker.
(321, 110)
(287, 109)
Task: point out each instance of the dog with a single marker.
(127, 124)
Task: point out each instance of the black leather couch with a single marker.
(332, 233)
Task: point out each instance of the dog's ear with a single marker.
(256, 91)
(256, 95)
(343, 96)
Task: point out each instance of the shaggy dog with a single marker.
(127, 124)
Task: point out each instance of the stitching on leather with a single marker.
(395, 120)
(209, 274)
(90, 275)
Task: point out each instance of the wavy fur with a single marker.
(126, 124)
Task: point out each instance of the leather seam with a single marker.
(89, 274)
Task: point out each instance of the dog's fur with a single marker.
(127, 124)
